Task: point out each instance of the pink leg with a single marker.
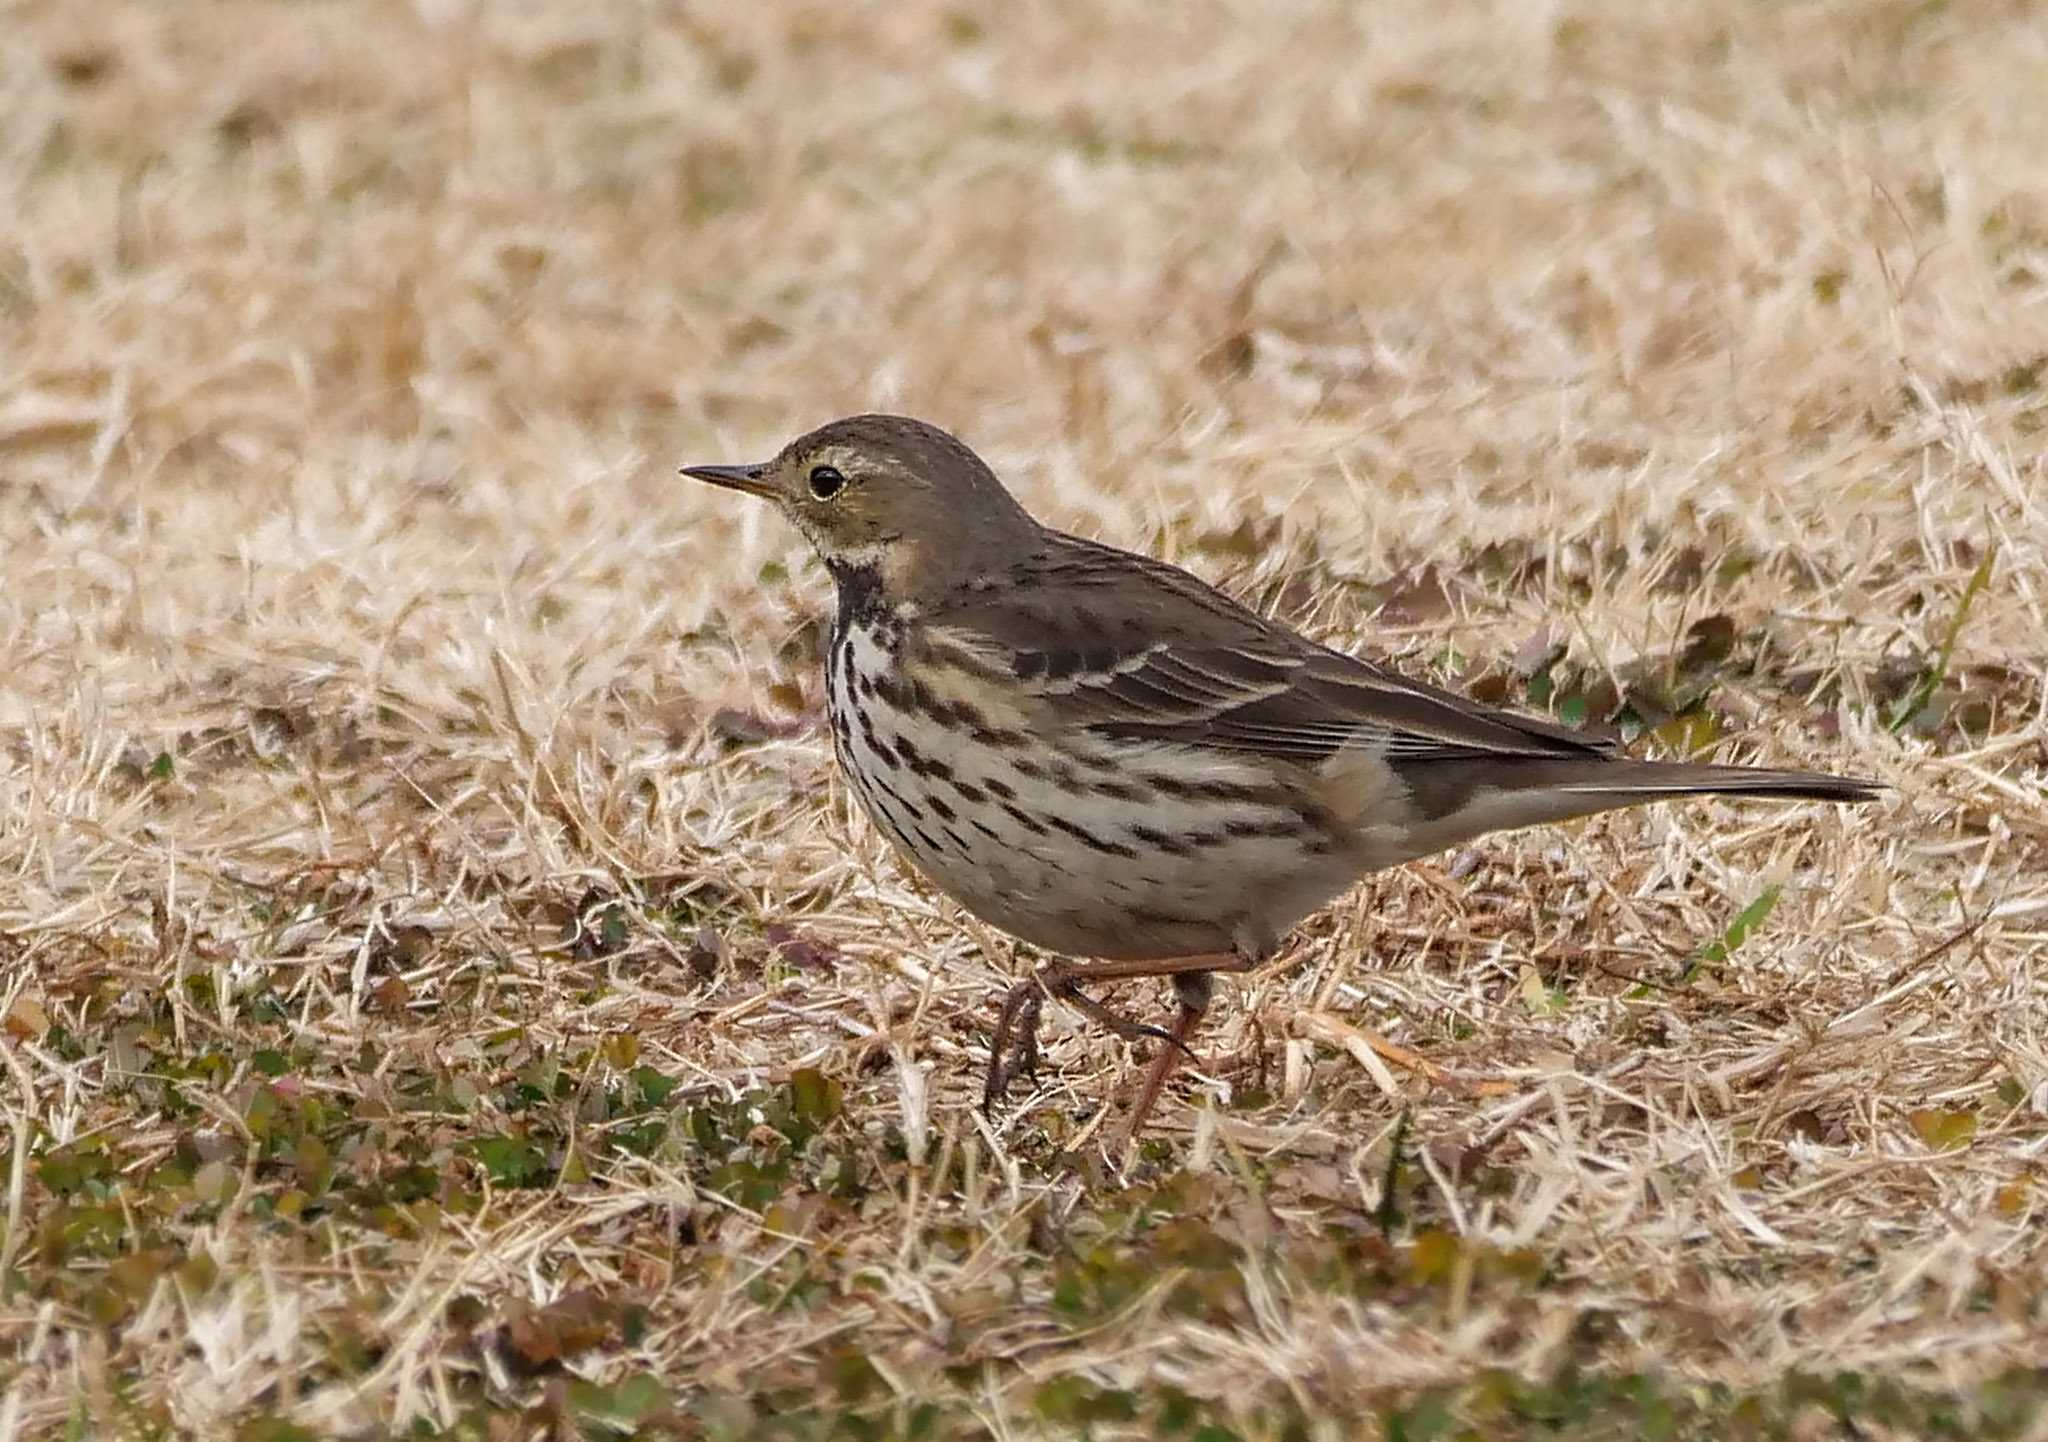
(1014, 1047)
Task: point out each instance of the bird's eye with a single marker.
(826, 482)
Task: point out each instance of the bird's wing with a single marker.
(1122, 645)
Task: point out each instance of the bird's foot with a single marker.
(1110, 1019)
(1013, 1050)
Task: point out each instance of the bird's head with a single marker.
(884, 495)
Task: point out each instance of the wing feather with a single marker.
(1124, 646)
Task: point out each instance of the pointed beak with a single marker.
(733, 478)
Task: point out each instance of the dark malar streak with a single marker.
(860, 593)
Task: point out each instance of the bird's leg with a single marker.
(1013, 1049)
(1193, 990)
(1019, 1015)
(1194, 983)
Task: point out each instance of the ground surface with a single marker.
(446, 993)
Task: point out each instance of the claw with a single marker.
(1160, 1033)
(1110, 1019)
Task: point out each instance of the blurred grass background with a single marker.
(446, 995)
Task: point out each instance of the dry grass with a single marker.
(356, 641)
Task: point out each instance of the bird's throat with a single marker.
(862, 596)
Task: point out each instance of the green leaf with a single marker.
(814, 1097)
(68, 1169)
(1435, 1253)
(1430, 1418)
(1746, 921)
(262, 1113)
(655, 1088)
(1943, 1130)
(639, 1397)
(313, 1163)
(1690, 734)
(1177, 1411)
(1910, 704)
(511, 1161)
(273, 1429)
(1387, 1215)
(1071, 1398)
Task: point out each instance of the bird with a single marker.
(1109, 759)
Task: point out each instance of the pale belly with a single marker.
(1147, 851)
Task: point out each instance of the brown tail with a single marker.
(1626, 781)
(1504, 792)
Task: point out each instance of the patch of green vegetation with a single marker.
(854, 1404)
(1592, 1406)
(1747, 920)
(1913, 705)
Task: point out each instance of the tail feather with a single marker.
(1647, 779)
(1450, 803)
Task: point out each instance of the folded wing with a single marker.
(1126, 655)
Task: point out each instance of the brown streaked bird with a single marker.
(1108, 758)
